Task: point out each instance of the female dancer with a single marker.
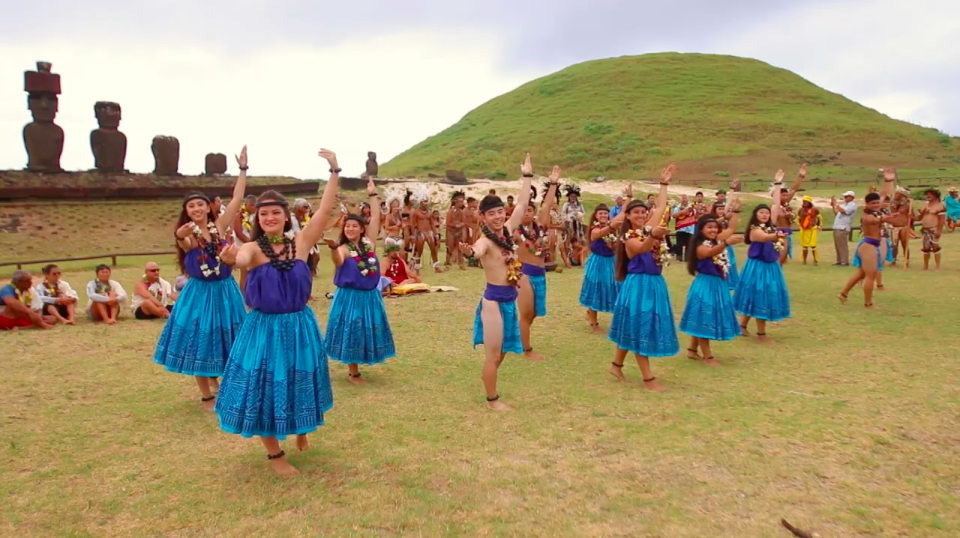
(198, 334)
(599, 290)
(358, 331)
(762, 291)
(709, 314)
(642, 316)
(733, 275)
(276, 382)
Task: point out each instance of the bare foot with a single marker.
(110, 321)
(533, 355)
(744, 331)
(497, 405)
(652, 385)
(596, 329)
(283, 468)
(617, 372)
(69, 322)
(303, 443)
(45, 326)
(693, 355)
(214, 384)
(208, 406)
(843, 298)
(357, 380)
(463, 267)
(711, 362)
(764, 339)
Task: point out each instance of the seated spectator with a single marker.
(21, 306)
(153, 296)
(105, 297)
(397, 270)
(58, 298)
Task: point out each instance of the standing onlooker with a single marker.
(843, 225)
(616, 209)
(686, 222)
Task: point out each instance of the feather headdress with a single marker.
(420, 193)
(569, 189)
(394, 192)
(903, 190)
(454, 194)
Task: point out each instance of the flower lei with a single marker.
(53, 290)
(247, 221)
(661, 254)
(778, 244)
(154, 288)
(365, 257)
(611, 238)
(287, 257)
(25, 298)
(209, 249)
(509, 250)
(103, 288)
(535, 241)
(722, 261)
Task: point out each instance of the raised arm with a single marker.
(733, 209)
(373, 227)
(551, 197)
(775, 197)
(796, 184)
(656, 218)
(224, 221)
(524, 199)
(310, 235)
(889, 183)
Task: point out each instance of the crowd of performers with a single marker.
(265, 371)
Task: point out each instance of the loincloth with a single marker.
(930, 241)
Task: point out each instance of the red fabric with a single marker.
(397, 272)
(7, 324)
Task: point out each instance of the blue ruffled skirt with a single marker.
(733, 278)
(643, 317)
(276, 383)
(197, 336)
(358, 331)
(762, 291)
(511, 327)
(709, 310)
(600, 288)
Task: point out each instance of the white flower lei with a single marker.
(722, 261)
(214, 234)
(661, 255)
(779, 243)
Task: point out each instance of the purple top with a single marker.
(600, 248)
(764, 252)
(194, 257)
(500, 294)
(705, 266)
(643, 264)
(348, 274)
(273, 291)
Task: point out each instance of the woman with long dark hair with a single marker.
(358, 331)
(197, 336)
(599, 290)
(762, 291)
(723, 218)
(709, 314)
(276, 382)
(642, 316)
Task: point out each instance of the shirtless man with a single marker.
(785, 216)
(901, 204)
(510, 206)
(497, 326)
(932, 218)
(532, 241)
(455, 231)
(21, 304)
(867, 259)
(471, 221)
(422, 223)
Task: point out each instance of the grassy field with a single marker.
(847, 427)
(624, 117)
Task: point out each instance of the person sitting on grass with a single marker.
(21, 305)
(398, 272)
(58, 298)
(153, 296)
(105, 297)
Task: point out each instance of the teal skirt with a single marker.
(511, 327)
(733, 278)
(762, 291)
(643, 317)
(358, 331)
(709, 310)
(599, 289)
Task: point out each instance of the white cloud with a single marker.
(383, 94)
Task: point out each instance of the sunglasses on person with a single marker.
(153, 270)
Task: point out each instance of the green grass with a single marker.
(626, 117)
(847, 427)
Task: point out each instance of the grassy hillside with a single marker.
(624, 117)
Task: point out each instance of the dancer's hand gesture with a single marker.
(735, 184)
(229, 255)
(331, 243)
(466, 249)
(667, 174)
(555, 175)
(659, 232)
(889, 174)
(778, 178)
(371, 187)
(803, 171)
(242, 159)
(734, 205)
(527, 166)
(628, 192)
(183, 232)
(330, 157)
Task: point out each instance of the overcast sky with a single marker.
(289, 76)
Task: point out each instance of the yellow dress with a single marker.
(808, 230)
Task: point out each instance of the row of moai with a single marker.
(44, 139)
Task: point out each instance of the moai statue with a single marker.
(43, 138)
(108, 144)
(215, 164)
(372, 167)
(166, 155)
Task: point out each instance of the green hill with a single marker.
(625, 117)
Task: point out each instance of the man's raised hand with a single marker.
(803, 171)
(242, 159)
(889, 174)
(527, 167)
(778, 177)
(371, 187)
(667, 173)
(555, 175)
(330, 157)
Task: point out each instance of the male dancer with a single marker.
(932, 218)
(471, 221)
(422, 223)
(497, 326)
(785, 216)
(868, 250)
(455, 231)
(532, 239)
(901, 204)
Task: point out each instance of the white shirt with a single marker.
(845, 221)
(160, 289)
(65, 291)
(94, 297)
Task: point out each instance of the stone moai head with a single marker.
(108, 114)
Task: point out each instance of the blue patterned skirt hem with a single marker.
(358, 331)
(709, 310)
(539, 285)
(734, 276)
(762, 292)
(643, 317)
(511, 328)
(599, 289)
(197, 336)
(276, 382)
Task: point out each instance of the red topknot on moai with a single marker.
(43, 138)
